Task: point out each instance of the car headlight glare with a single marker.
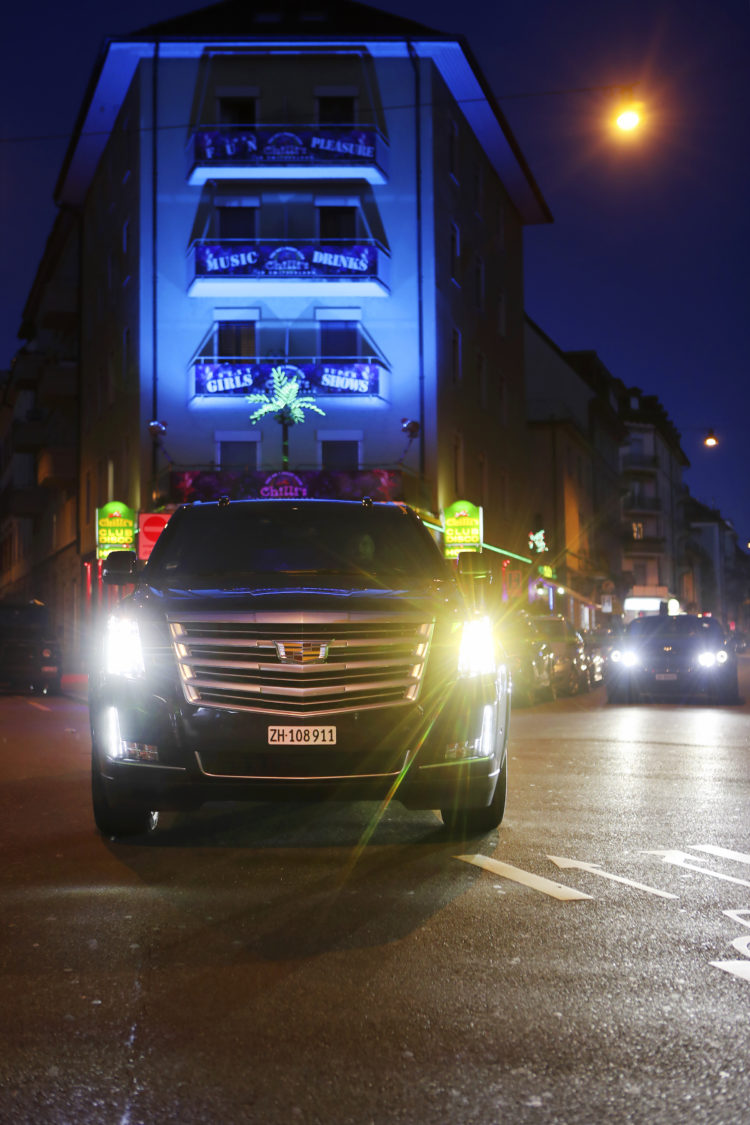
(722, 656)
(123, 654)
(629, 659)
(476, 655)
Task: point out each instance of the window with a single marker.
(236, 110)
(337, 222)
(236, 449)
(337, 109)
(455, 254)
(453, 149)
(502, 399)
(235, 339)
(341, 455)
(478, 189)
(339, 339)
(482, 378)
(458, 464)
(502, 315)
(456, 356)
(479, 283)
(637, 530)
(236, 222)
(238, 454)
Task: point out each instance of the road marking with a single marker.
(739, 969)
(724, 853)
(679, 859)
(39, 706)
(595, 869)
(518, 875)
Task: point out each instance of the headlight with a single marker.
(123, 655)
(476, 656)
(722, 656)
(629, 658)
(707, 659)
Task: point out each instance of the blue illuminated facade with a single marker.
(348, 206)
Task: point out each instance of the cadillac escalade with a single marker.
(297, 649)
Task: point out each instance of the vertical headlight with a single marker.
(123, 655)
(476, 655)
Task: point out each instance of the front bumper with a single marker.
(155, 749)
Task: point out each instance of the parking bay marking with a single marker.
(595, 869)
(679, 859)
(518, 875)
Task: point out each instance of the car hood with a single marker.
(295, 597)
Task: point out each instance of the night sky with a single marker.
(646, 261)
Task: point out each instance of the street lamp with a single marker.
(710, 440)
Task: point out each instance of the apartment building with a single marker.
(315, 203)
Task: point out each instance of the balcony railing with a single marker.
(316, 375)
(640, 462)
(642, 503)
(277, 268)
(251, 152)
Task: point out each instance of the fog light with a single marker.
(459, 751)
(140, 752)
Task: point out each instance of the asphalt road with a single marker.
(282, 964)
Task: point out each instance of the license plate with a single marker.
(301, 736)
(666, 676)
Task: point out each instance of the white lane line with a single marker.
(595, 869)
(679, 859)
(739, 969)
(518, 875)
(724, 853)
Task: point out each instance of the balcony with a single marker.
(640, 463)
(286, 152)
(28, 436)
(641, 503)
(336, 375)
(56, 468)
(23, 503)
(236, 267)
(58, 382)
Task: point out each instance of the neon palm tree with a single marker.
(284, 400)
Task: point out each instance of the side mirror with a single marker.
(120, 568)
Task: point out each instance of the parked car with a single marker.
(30, 657)
(679, 657)
(297, 649)
(571, 672)
(530, 659)
(599, 643)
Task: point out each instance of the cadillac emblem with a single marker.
(301, 652)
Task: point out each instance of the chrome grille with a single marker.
(234, 660)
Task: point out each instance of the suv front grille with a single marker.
(299, 663)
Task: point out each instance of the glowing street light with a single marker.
(628, 119)
(710, 440)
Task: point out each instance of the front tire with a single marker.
(462, 821)
(117, 820)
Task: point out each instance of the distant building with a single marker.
(652, 462)
(575, 434)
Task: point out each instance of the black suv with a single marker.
(302, 649)
(30, 658)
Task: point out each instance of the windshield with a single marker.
(682, 626)
(296, 538)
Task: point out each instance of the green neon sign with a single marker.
(115, 529)
(462, 528)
